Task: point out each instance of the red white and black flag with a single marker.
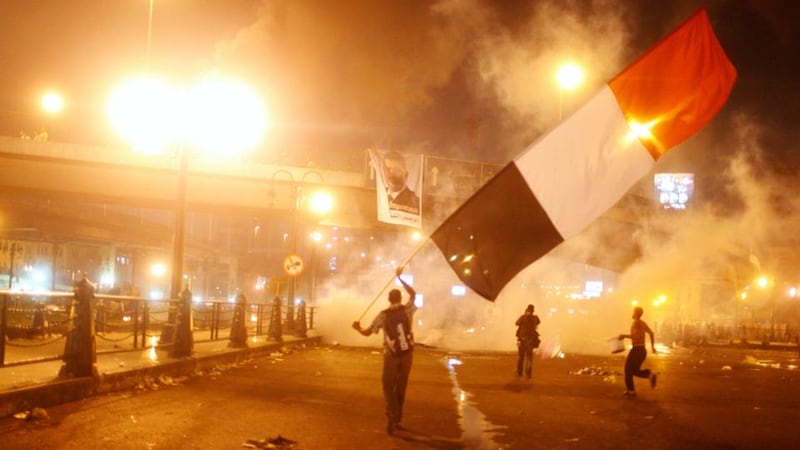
(570, 176)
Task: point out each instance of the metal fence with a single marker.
(779, 336)
(36, 325)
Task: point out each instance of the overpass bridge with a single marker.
(65, 194)
(119, 176)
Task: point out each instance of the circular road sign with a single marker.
(293, 265)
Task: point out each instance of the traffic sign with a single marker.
(293, 265)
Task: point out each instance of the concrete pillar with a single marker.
(275, 321)
(184, 339)
(80, 350)
(301, 328)
(238, 337)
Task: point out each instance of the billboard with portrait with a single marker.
(398, 184)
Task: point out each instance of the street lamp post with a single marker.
(149, 31)
(215, 116)
(12, 250)
(772, 314)
(739, 298)
(319, 203)
(292, 287)
(316, 237)
(765, 282)
(176, 282)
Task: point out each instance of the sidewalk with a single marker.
(25, 386)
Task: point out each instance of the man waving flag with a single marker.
(565, 180)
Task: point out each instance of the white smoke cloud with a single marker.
(369, 69)
(522, 66)
(696, 259)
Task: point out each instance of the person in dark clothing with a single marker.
(40, 320)
(638, 353)
(527, 340)
(398, 345)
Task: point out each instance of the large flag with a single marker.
(565, 180)
(398, 184)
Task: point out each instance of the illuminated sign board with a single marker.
(458, 290)
(593, 289)
(674, 190)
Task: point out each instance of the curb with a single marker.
(66, 390)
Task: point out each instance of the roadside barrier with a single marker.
(38, 326)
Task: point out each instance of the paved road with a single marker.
(329, 398)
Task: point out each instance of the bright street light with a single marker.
(52, 102)
(215, 115)
(142, 112)
(321, 202)
(568, 76)
(222, 116)
(158, 270)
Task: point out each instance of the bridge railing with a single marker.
(35, 326)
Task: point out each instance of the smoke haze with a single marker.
(374, 74)
(696, 258)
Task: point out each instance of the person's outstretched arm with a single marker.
(357, 327)
(411, 293)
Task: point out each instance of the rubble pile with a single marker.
(595, 371)
(149, 383)
(35, 414)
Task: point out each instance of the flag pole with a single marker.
(388, 282)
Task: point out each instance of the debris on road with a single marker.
(279, 442)
(762, 362)
(37, 414)
(169, 381)
(609, 375)
(149, 383)
(595, 371)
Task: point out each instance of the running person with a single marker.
(638, 353)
